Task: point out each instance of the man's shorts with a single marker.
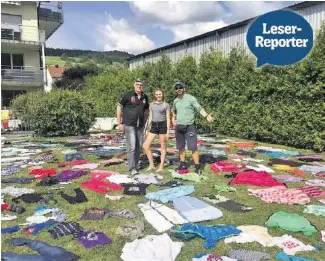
(159, 127)
(186, 134)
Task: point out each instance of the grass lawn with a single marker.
(258, 216)
(54, 60)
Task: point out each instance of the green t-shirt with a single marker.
(185, 109)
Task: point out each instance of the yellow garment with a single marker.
(283, 167)
(4, 115)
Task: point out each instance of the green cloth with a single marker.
(185, 109)
(317, 210)
(224, 188)
(291, 222)
(189, 176)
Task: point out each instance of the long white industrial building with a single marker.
(225, 38)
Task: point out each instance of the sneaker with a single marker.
(198, 169)
(134, 172)
(182, 165)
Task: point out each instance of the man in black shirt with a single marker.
(132, 106)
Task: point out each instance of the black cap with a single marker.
(179, 84)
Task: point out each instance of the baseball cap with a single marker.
(179, 84)
(139, 80)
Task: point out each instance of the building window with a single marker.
(11, 19)
(12, 61)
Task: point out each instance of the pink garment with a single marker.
(223, 166)
(86, 166)
(322, 201)
(255, 178)
(100, 186)
(101, 174)
(320, 175)
(312, 192)
(281, 195)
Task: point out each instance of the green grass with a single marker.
(54, 60)
(258, 216)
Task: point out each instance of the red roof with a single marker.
(56, 71)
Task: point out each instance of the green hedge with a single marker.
(284, 105)
(58, 113)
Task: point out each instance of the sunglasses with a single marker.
(179, 87)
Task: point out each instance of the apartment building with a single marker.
(25, 27)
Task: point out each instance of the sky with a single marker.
(137, 27)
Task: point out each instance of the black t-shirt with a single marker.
(134, 108)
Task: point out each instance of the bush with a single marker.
(58, 113)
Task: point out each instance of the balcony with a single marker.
(22, 76)
(21, 35)
(50, 17)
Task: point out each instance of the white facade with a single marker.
(23, 35)
(226, 38)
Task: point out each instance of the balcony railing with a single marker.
(22, 33)
(51, 12)
(24, 75)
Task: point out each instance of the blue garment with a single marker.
(171, 193)
(46, 251)
(195, 210)
(41, 207)
(217, 152)
(35, 229)
(279, 154)
(10, 171)
(211, 234)
(48, 145)
(9, 230)
(285, 257)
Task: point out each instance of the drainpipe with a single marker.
(43, 65)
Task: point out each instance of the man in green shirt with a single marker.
(184, 108)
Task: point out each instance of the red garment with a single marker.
(312, 192)
(183, 171)
(100, 186)
(4, 206)
(243, 144)
(200, 143)
(72, 163)
(101, 174)
(320, 175)
(261, 178)
(42, 173)
(297, 172)
(223, 166)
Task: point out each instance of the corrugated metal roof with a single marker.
(11, 2)
(221, 30)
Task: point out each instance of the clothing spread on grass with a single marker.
(112, 162)
(297, 172)
(120, 179)
(172, 183)
(46, 252)
(281, 195)
(94, 213)
(132, 231)
(209, 158)
(224, 188)
(42, 173)
(5, 217)
(135, 189)
(285, 257)
(67, 175)
(100, 186)
(65, 229)
(313, 209)
(290, 245)
(16, 192)
(316, 183)
(262, 179)
(313, 169)
(322, 201)
(260, 234)
(10, 171)
(211, 234)
(260, 167)
(211, 257)
(167, 195)
(288, 178)
(252, 234)
(80, 197)
(35, 229)
(285, 162)
(114, 198)
(151, 248)
(291, 222)
(248, 255)
(320, 175)
(223, 166)
(9, 230)
(323, 235)
(227, 203)
(120, 213)
(150, 178)
(91, 239)
(310, 158)
(192, 176)
(86, 166)
(312, 192)
(161, 217)
(72, 163)
(195, 210)
(282, 167)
